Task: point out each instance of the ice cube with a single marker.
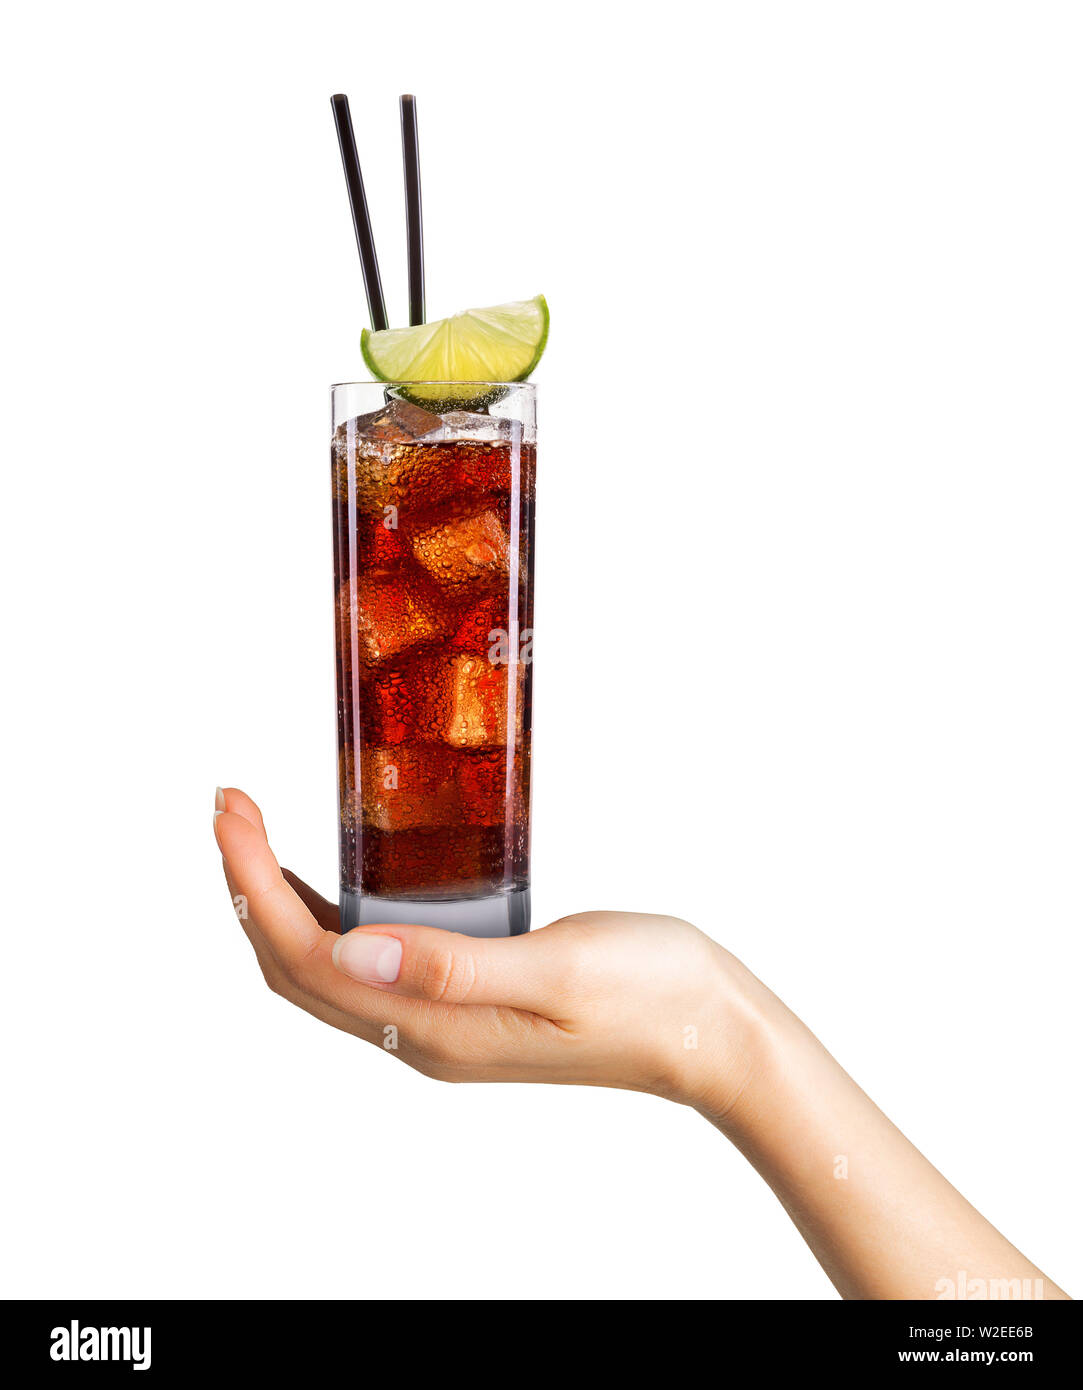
(388, 707)
(388, 614)
(475, 624)
(375, 470)
(465, 551)
(467, 703)
(399, 422)
(373, 456)
(407, 788)
(380, 546)
(481, 777)
(487, 429)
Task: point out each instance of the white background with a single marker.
(808, 668)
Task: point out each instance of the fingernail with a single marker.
(219, 802)
(374, 960)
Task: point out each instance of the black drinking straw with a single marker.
(411, 174)
(366, 248)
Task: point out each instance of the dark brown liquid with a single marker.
(433, 608)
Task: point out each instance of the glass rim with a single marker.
(518, 385)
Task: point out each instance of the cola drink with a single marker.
(433, 504)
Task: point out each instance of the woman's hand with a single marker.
(619, 999)
(647, 1004)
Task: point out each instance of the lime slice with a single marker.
(503, 343)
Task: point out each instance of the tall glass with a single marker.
(433, 498)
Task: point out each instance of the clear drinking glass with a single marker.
(433, 501)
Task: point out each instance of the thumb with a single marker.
(523, 972)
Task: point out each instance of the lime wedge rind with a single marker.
(503, 343)
(440, 396)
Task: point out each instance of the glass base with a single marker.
(504, 914)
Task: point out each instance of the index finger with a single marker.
(280, 915)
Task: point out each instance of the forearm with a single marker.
(881, 1220)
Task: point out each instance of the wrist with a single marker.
(794, 1106)
(727, 1046)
